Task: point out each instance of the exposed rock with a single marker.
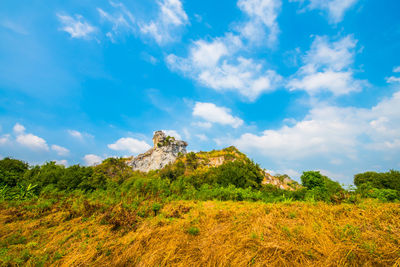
(166, 150)
(216, 161)
(282, 181)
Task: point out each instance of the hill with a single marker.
(205, 208)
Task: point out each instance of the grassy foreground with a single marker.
(72, 232)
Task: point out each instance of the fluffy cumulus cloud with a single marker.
(61, 151)
(32, 142)
(132, 145)
(171, 17)
(332, 131)
(221, 63)
(328, 67)
(27, 139)
(214, 114)
(92, 159)
(215, 64)
(262, 16)
(335, 8)
(76, 26)
(18, 128)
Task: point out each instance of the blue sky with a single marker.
(297, 85)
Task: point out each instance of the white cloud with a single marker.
(337, 132)
(214, 114)
(339, 83)
(173, 133)
(327, 67)
(5, 139)
(170, 18)
(61, 151)
(77, 27)
(393, 79)
(121, 20)
(335, 8)
(18, 128)
(92, 159)
(222, 63)
(32, 141)
(79, 135)
(130, 144)
(262, 13)
(214, 64)
(62, 162)
(202, 137)
(75, 134)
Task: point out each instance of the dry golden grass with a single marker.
(230, 234)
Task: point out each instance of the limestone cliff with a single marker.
(166, 150)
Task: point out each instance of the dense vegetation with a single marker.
(110, 214)
(190, 177)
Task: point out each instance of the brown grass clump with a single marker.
(187, 233)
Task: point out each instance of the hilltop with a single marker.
(170, 156)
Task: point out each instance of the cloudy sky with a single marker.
(296, 84)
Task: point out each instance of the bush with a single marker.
(321, 188)
(193, 231)
(12, 171)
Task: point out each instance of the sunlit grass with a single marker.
(75, 231)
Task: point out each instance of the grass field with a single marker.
(78, 232)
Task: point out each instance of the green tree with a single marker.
(320, 187)
(239, 173)
(12, 171)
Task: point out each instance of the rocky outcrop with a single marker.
(166, 150)
(281, 181)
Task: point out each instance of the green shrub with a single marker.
(321, 188)
(193, 231)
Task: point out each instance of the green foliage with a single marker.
(383, 186)
(24, 192)
(4, 191)
(12, 171)
(190, 177)
(166, 141)
(48, 173)
(173, 171)
(385, 180)
(191, 161)
(321, 188)
(74, 177)
(156, 208)
(242, 174)
(193, 231)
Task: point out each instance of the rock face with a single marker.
(282, 182)
(166, 149)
